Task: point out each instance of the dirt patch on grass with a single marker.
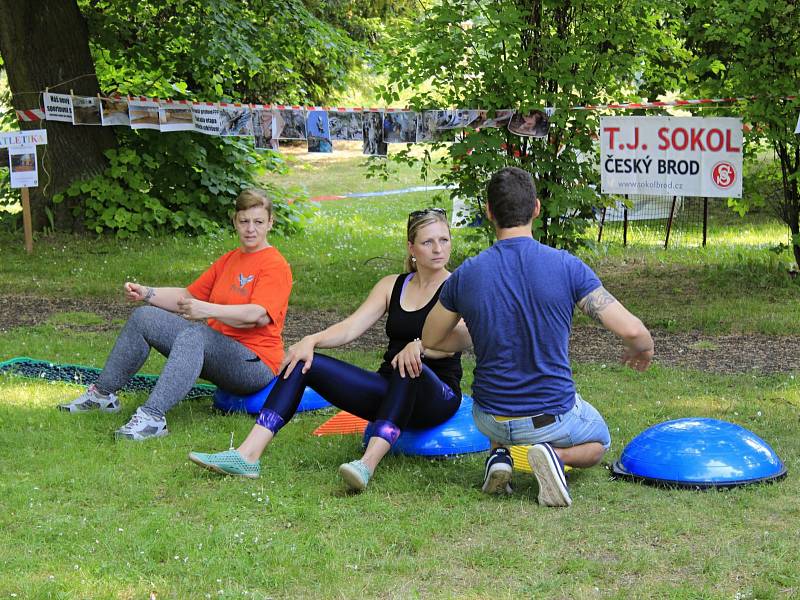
(739, 353)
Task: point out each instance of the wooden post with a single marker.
(705, 220)
(26, 220)
(669, 221)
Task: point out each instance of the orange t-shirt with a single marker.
(262, 278)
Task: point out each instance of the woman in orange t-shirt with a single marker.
(225, 327)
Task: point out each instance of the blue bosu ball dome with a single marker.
(252, 403)
(698, 453)
(457, 435)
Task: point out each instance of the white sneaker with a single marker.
(92, 400)
(549, 471)
(142, 426)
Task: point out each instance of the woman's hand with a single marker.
(193, 309)
(136, 292)
(301, 351)
(409, 359)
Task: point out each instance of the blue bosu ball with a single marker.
(457, 435)
(252, 403)
(698, 453)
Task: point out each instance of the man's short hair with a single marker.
(511, 195)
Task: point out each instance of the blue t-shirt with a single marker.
(517, 299)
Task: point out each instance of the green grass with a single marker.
(86, 517)
(89, 517)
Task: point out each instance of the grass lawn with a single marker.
(85, 517)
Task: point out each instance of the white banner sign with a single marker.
(19, 138)
(671, 156)
(58, 107)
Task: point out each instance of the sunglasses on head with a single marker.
(418, 214)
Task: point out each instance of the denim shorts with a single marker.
(580, 425)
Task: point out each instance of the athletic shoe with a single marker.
(497, 475)
(229, 462)
(549, 471)
(356, 475)
(91, 399)
(142, 426)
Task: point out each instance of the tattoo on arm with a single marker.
(596, 301)
(149, 295)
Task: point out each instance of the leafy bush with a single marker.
(167, 183)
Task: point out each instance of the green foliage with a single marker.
(749, 48)
(529, 55)
(178, 182)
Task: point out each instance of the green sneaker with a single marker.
(229, 462)
(355, 474)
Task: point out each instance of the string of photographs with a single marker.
(267, 124)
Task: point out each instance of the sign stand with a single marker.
(26, 220)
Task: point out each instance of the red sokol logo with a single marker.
(723, 175)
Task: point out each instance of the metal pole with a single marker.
(602, 222)
(705, 220)
(625, 226)
(26, 220)
(669, 221)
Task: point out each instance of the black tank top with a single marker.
(403, 326)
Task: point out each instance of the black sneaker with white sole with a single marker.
(497, 474)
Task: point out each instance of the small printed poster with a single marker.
(58, 107)
(235, 120)
(400, 127)
(262, 128)
(289, 124)
(373, 134)
(86, 110)
(318, 131)
(205, 117)
(797, 128)
(175, 116)
(114, 111)
(499, 119)
(144, 114)
(535, 124)
(23, 165)
(346, 125)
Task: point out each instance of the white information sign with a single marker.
(19, 138)
(58, 107)
(671, 156)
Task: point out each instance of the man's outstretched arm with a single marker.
(611, 314)
(442, 331)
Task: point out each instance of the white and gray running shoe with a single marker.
(142, 426)
(91, 399)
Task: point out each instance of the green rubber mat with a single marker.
(43, 369)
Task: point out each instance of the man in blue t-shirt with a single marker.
(517, 299)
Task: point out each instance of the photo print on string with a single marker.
(144, 114)
(535, 124)
(114, 111)
(23, 166)
(496, 118)
(205, 117)
(797, 129)
(289, 124)
(346, 125)
(58, 107)
(262, 128)
(373, 134)
(235, 120)
(400, 127)
(86, 110)
(318, 131)
(176, 116)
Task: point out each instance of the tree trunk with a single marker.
(45, 44)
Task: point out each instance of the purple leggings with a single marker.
(392, 403)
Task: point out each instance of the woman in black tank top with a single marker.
(413, 387)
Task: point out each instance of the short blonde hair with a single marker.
(252, 197)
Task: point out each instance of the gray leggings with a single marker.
(192, 349)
